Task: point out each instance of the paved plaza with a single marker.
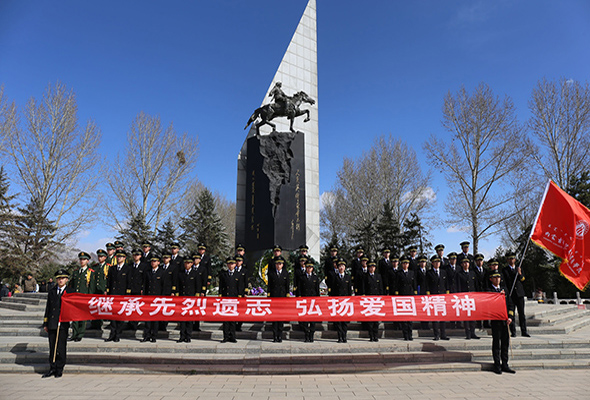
(538, 384)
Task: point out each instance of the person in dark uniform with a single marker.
(303, 249)
(413, 258)
(390, 277)
(277, 251)
(465, 254)
(278, 286)
(231, 284)
(309, 286)
(153, 285)
(406, 286)
(298, 272)
(118, 282)
(513, 277)
(175, 258)
(341, 286)
(136, 276)
(421, 282)
(205, 262)
(358, 278)
(384, 263)
(452, 269)
(170, 277)
(242, 270)
(146, 254)
(466, 281)
(331, 273)
(189, 284)
(241, 252)
(500, 336)
(373, 286)
(83, 281)
(329, 262)
(58, 332)
(202, 271)
(437, 283)
(440, 252)
(480, 275)
(356, 264)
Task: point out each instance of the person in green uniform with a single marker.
(111, 250)
(83, 281)
(102, 271)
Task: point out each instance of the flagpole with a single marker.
(56, 341)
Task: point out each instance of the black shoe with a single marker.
(153, 340)
(280, 340)
(339, 340)
(144, 340)
(497, 370)
(306, 340)
(51, 372)
(513, 335)
(445, 338)
(71, 339)
(233, 340)
(344, 341)
(410, 338)
(110, 339)
(436, 338)
(58, 374)
(311, 340)
(468, 338)
(526, 334)
(508, 369)
(475, 337)
(181, 340)
(78, 339)
(227, 340)
(187, 340)
(116, 340)
(375, 340)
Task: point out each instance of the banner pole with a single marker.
(519, 266)
(56, 341)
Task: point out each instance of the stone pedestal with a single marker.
(275, 192)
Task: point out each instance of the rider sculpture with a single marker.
(282, 106)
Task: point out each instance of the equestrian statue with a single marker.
(282, 106)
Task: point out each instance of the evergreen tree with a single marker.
(579, 188)
(136, 232)
(34, 236)
(388, 230)
(9, 263)
(204, 225)
(366, 236)
(415, 234)
(165, 236)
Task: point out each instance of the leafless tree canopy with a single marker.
(54, 159)
(390, 172)
(560, 122)
(484, 146)
(152, 175)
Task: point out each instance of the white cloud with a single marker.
(456, 229)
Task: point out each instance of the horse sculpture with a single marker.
(288, 108)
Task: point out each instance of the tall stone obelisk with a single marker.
(297, 72)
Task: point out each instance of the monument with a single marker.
(278, 198)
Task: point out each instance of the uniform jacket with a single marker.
(83, 281)
(231, 285)
(406, 283)
(508, 276)
(136, 277)
(53, 308)
(118, 281)
(278, 284)
(170, 279)
(203, 276)
(341, 286)
(189, 284)
(437, 283)
(153, 282)
(466, 281)
(309, 286)
(373, 285)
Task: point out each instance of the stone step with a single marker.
(299, 369)
(31, 295)
(25, 300)
(22, 306)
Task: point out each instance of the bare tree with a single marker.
(152, 176)
(53, 159)
(484, 147)
(390, 172)
(560, 121)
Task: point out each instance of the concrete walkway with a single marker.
(540, 384)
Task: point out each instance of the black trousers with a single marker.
(277, 330)
(407, 329)
(341, 329)
(150, 330)
(469, 329)
(229, 330)
(186, 329)
(60, 356)
(116, 329)
(519, 304)
(439, 329)
(373, 328)
(308, 328)
(500, 343)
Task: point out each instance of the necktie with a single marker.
(231, 273)
(59, 292)
(188, 271)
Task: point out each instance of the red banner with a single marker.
(563, 227)
(446, 307)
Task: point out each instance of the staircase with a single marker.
(560, 339)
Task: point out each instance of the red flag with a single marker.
(563, 227)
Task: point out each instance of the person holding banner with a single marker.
(57, 331)
(231, 284)
(341, 286)
(278, 286)
(500, 336)
(513, 278)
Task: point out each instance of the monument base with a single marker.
(275, 193)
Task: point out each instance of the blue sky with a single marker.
(384, 67)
